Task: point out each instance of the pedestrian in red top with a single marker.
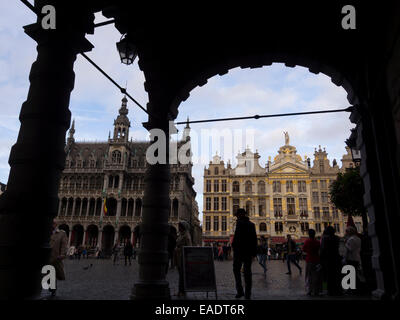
(313, 268)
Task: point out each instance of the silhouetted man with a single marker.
(244, 250)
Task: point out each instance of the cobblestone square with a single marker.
(104, 281)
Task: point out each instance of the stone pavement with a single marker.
(103, 281)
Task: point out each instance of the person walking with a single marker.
(291, 254)
(71, 252)
(183, 240)
(58, 244)
(313, 268)
(352, 256)
(262, 254)
(331, 261)
(128, 252)
(244, 247)
(220, 253)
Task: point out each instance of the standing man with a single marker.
(128, 252)
(352, 252)
(58, 243)
(291, 254)
(244, 247)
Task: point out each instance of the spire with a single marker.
(187, 123)
(186, 131)
(122, 123)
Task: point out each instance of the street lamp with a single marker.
(127, 51)
(351, 143)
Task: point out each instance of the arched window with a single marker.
(216, 170)
(249, 207)
(261, 187)
(248, 186)
(235, 186)
(116, 156)
(263, 227)
(138, 208)
(175, 207)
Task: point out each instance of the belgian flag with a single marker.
(105, 207)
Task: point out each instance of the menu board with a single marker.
(198, 269)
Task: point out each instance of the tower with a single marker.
(122, 123)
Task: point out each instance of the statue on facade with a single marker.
(286, 137)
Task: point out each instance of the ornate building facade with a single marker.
(111, 174)
(288, 196)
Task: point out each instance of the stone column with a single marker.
(38, 156)
(84, 237)
(99, 238)
(153, 255)
(73, 207)
(69, 238)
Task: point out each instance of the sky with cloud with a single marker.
(242, 92)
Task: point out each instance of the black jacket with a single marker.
(245, 238)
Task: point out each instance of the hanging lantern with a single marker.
(127, 51)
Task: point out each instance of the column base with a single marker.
(151, 291)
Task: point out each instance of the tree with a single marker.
(347, 194)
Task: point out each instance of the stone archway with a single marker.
(77, 235)
(124, 234)
(92, 236)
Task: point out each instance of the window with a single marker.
(235, 205)
(216, 172)
(208, 223)
(263, 227)
(261, 208)
(208, 185)
(321, 165)
(249, 207)
(261, 187)
(216, 203)
(216, 223)
(208, 203)
(289, 186)
(315, 197)
(223, 185)
(324, 197)
(223, 203)
(317, 227)
(223, 223)
(314, 184)
(337, 227)
(303, 207)
(116, 156)
(248, 186)
(291, 207)
(316, 213)
(335, 213)
(92, 163)
(304, 227)
(249, 168)
(301, 185)
(216, 185)
(235, 186)
(323, 184)
(278, 227)
(276, 186)
(325, 212)
(277, 207)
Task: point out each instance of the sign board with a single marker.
(198, 269)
